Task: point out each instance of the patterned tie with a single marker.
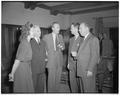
(57, 43)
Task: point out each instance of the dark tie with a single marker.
(79, 42)
(57, 43)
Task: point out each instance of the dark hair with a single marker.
(76, 25)
(25, 30)
(54, 23)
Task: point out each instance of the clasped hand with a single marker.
(11, 77)
(74, 54)
(89, 73)
(60, 46)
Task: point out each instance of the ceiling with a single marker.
(72, 7)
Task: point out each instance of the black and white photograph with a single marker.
(66, 47)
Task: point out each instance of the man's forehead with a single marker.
(56, 24)
(82, 24)
(71, 26)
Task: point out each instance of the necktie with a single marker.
(56, 43)
(79, 42)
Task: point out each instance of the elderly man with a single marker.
(38, 64)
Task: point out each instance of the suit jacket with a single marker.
(73, 46)
(55, 58)
(38, 63)
(88, 55)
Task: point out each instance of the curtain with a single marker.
(99, 27)
(9, 44)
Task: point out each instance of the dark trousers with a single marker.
(87, 84)
(74, 83)
(39, 81)
(54, 77)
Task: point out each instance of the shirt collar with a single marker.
(86, 36)
(37, 40)
(76, 37)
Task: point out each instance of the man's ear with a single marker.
(52, 28)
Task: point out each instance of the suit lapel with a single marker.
(51, 41)
(84, 42)
(76, 43)
(38, 44)
(71, 44)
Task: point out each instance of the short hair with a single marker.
(76, 25)
(25, 30)
(54, 23)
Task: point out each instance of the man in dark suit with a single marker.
(87, 59)
(38, 63)
(55, 45)
(73, 46)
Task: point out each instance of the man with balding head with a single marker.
(87, 58)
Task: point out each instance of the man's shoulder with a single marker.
(94, 40)
(72, 38)
(60, 36)
(94, 37)
(47, 35)
(42, 42)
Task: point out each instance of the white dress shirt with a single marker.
(37, 40)
(86, 36)
(54, 38)
(76, 37)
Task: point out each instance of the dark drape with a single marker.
(99, 27)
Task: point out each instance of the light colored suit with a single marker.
(73, 46)
(55, 62)
(87, 58)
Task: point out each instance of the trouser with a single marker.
(74, 83)
(87, 84)
(54, 77)
(39, 81)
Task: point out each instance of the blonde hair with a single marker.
(35, 28)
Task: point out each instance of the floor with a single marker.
(7, 86)
(64, 87)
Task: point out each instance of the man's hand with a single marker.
(68, 66)
(74, 54)
(11, 77)
(60, 46)
(46, 59)
(89, 73)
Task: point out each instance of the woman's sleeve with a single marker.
(21, 51)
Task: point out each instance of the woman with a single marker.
(21, 72)
(73, 46)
